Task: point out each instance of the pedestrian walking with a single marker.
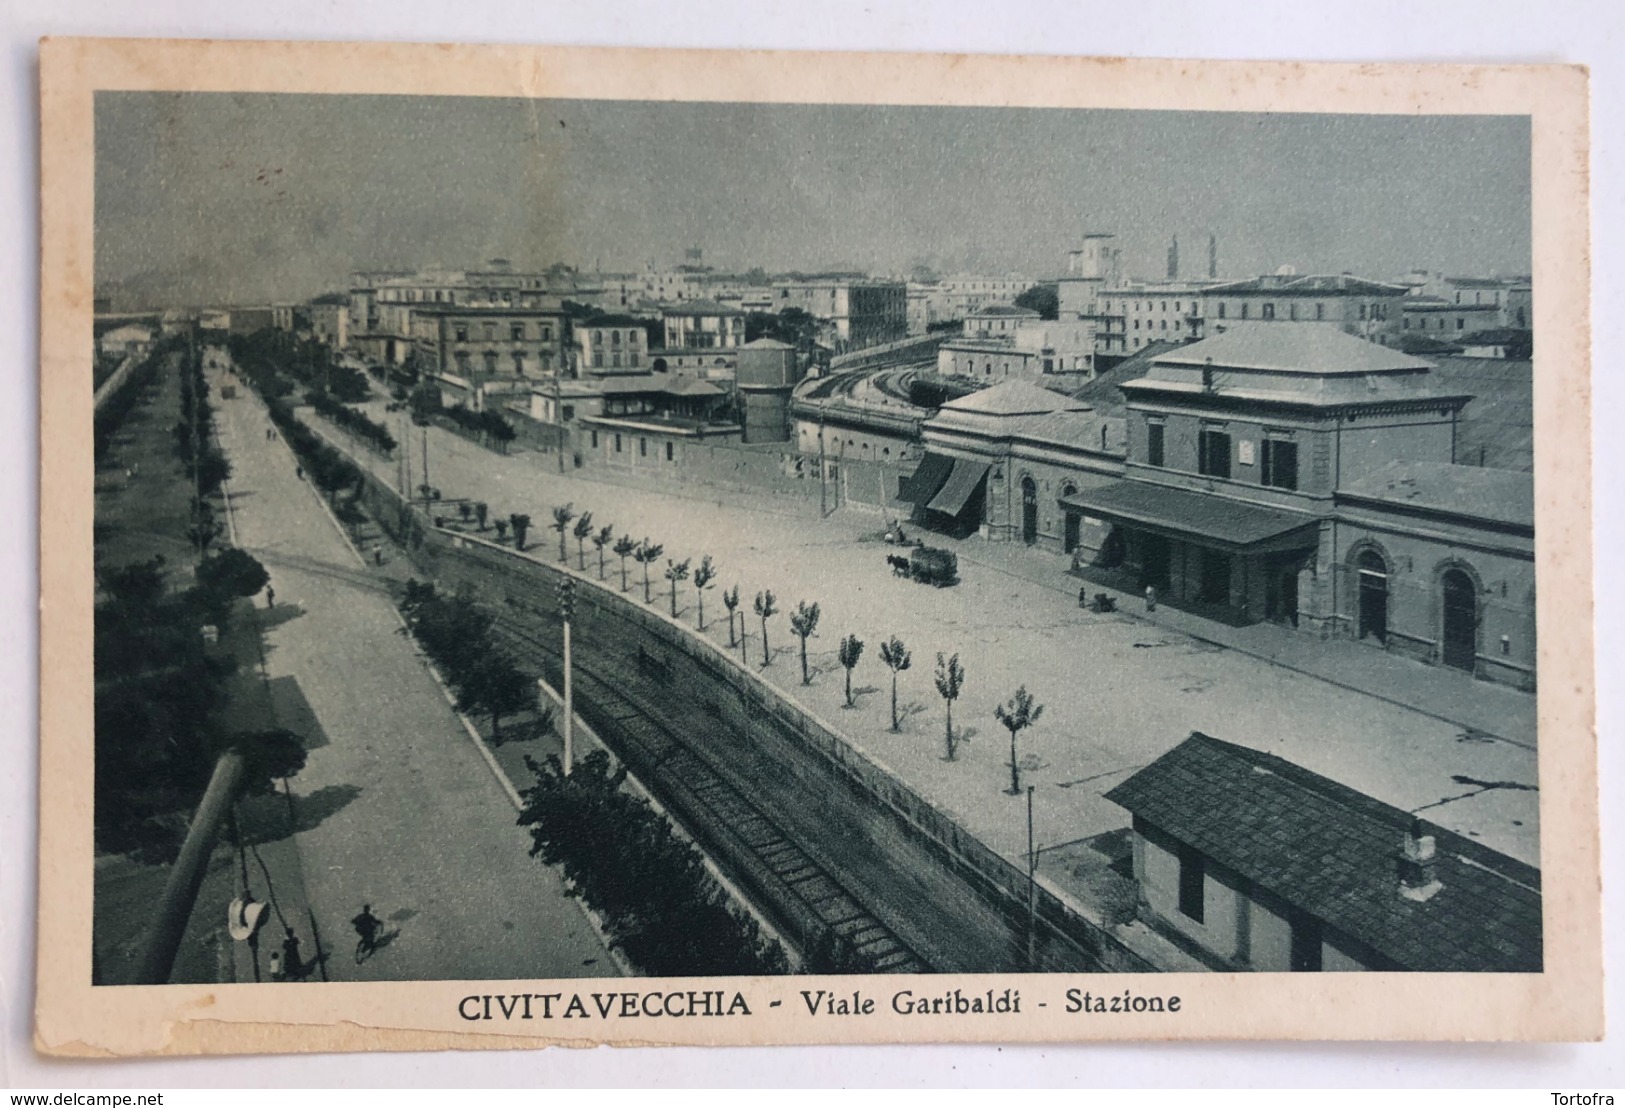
(1151, 598)
(270, 597)
(292, 964)
(367, 926)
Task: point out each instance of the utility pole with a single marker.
(558, 411)
(823, 483)
(567, 604)
(425, 463)
(1032, 884)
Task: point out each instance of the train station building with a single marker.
(1284, 472)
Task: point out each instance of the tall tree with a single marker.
(521, 525)
(493, 685)
(730, 601)
(765, 609)
(705, 576)
(950, 680)
(583, 531)
(647, 554)
(599, 541)
(625, 547)
(897, 658)
(1017, 714)
(675, 572)
(804, 623)
(851, 650)
(562, 515)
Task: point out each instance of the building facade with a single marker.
(1369, 309)
(610, 344)
(858, 312)
(1262, 865)
(480, 344)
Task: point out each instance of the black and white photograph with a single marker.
(600, 541)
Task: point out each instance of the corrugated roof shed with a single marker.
(1332, 852)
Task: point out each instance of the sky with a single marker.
(205, 198)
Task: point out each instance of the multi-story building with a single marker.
(1135, 314)
(1002, 342)
(612, 344)
(484, 346)
(330, 319)
(857, 312)
(1370, 309)
(1438, 318)
(703, 325)
(1284, 472)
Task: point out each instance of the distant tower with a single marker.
(1212, 255)
(1173, 259)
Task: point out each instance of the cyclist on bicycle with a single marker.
(367, 926)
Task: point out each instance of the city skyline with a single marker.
(216, 198)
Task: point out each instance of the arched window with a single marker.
(1372, 604)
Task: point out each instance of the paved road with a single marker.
(396, 806)
(1118, 692)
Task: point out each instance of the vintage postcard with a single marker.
(566, 546)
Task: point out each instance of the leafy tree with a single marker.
(730, 601)
(562, 515)
(204, 529)
(481, 511)
(897, 658)
(804, 624)
(501, 526)
(1017, 714)
(851, 650)
(583, 531)
(466, 510)
(675, 572)
(647, 554)
(766, 610)
(950, 680)
(705, 576)
(492, 684)
(229, 575)
(268, 757)
(520, 524)
(138, 584)
(599, 541)
(1043, 299)
(625, 547)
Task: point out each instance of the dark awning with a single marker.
(1194, 516)
(960, 487)
(927, 479)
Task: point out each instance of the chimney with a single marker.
(1418, 864)
(1212, 255)
(1173, 259)
(1207, 375)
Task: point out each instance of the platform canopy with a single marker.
(1195, 516)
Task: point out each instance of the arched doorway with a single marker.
(1459, 635)
(1069, 536)
(1029, 511)
(1372, 574)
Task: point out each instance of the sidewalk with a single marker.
(1489, 710)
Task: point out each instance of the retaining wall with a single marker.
(696, 667)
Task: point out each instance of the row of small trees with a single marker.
(457, 636)
(353, 421)
(1017, 714)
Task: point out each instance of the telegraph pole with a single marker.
(1032, 884)
(567, 604)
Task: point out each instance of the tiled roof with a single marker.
(1317, 349)
(1332, 852)
(1014, 397)
(1503, 496)
(1104, 394)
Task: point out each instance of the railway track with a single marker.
(715, 808)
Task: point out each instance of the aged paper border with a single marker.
(1562, 1003)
